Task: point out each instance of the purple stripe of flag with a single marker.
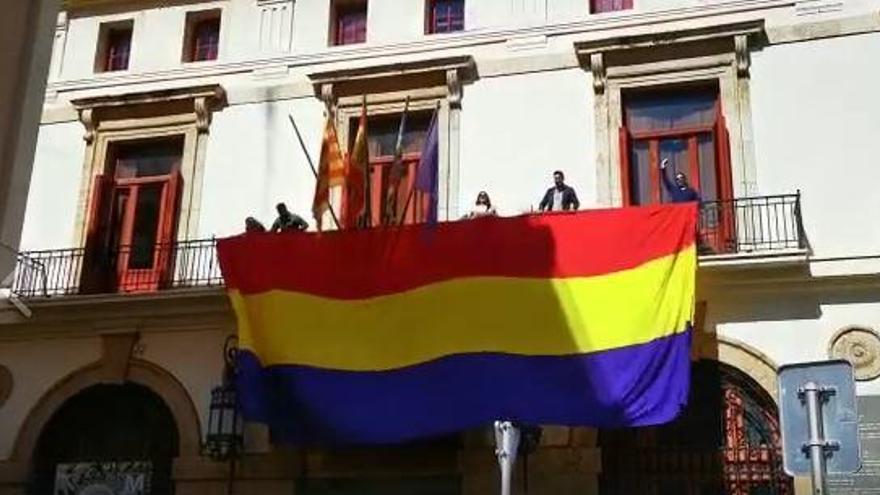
(426, 179)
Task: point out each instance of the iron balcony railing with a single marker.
(761, 224)
(128, 269)
(769, 224)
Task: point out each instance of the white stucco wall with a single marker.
(816, 116)
(254, 161)
(794, 328)
(52, 201)
(516, 130)
(36, 366)
(193, 359)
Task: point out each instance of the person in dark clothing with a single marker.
(287, 221)
(560, 197)
(251, 224)
(679, 191)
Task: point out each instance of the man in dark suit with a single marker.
(560, 197)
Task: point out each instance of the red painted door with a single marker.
(144, 232)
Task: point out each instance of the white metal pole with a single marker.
(506, 445)
(816, 444)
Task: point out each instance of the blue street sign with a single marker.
(831, 386)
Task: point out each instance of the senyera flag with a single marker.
(386, 335)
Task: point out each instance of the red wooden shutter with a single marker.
(166, 252)
(623, 137)
(170, 208)
(725, 181)
(726, 210)
(95, 264)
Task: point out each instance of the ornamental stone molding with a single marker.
(733, 42)
(597, 67)
(861, 347)
(5, 384)
(200, 101)
(451, 72)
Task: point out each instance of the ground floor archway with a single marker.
(108, 438)
(726, 442)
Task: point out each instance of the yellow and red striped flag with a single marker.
(356, 175)
(331, 170)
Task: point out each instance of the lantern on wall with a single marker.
(225, 437)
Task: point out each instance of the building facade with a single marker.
(166, 123)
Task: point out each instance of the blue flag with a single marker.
(429, 163)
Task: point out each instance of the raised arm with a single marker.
(670, 187)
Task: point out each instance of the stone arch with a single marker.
(750, 361)
(155, 378)
(727, 440)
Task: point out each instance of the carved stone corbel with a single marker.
(327, 95)
(597, 67)
(743, 55)
(118, 349)
(203, 113)
(453, 88)
(87, 117)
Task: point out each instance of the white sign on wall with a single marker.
(103, 478)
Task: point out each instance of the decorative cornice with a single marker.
(212, 92)
(464, 41)
(464, 65)
(660, 38)
(205, 99)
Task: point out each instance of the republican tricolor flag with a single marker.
(382, 336)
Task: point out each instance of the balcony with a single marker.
(127, 270)
(758, 227)
(755, 227)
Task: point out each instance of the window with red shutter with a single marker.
(202, 36)
(349, 22)
(599, 6)
(445, 16)
(114, 47)
(134, 215)
(686, 127)
(381, 141)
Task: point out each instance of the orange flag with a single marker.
(356, 175)
(331, 170)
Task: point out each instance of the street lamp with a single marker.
(225, 437)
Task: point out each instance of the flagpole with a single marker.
(507, 437)
(368, 199)
(312, 166)
(412, 190)
(391, 194)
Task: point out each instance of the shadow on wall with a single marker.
(787, 301)
(531, 340)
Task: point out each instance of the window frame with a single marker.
(718, 129)
(340, 9)
(191, 32)
(106, 45)
(594, 9)
(431, 21)
(108, 247)
(380, 167)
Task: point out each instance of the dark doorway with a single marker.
(726, 442)
(108, 437)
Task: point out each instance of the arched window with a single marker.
(726, 442)
(122, 437)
